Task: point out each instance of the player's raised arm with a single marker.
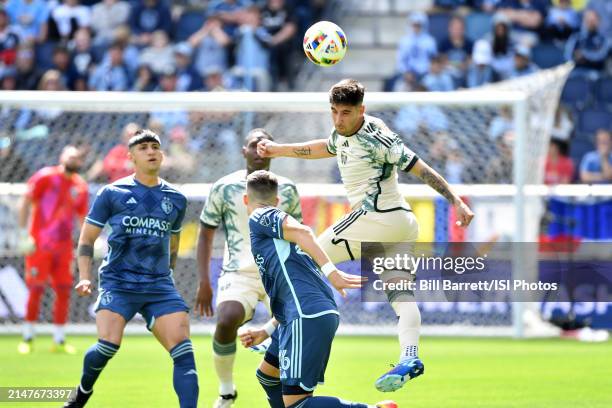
(85, 251)
(438, 183)
(302, 235)
(315, 149)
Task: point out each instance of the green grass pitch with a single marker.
(458, 373)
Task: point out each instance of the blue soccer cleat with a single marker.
(395, 378)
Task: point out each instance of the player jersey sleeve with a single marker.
(331, 143)
(212, 213)
(268, 223)
(36, 186)
(290, 200)
(399, 154)
(177, 226)
(101, 208)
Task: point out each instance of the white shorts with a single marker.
(244, 288)
(342, 241)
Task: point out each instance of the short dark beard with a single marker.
(72, 169)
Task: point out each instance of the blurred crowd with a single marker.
(471, 43)
(151, 45)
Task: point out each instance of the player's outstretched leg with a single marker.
(110, 331)
(32, 310)
(230, 315)
(60, 316)
(268, 374)
(409, 366)
(172, 331)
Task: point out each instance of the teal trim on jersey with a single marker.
(283, 250)
(323, 313)
(94, 222)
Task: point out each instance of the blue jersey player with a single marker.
(145, 214)
(288, 258)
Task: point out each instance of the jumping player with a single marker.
(369, 155)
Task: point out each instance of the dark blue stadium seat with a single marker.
(547, 55)
(188, 23)
(577, 92)
(477, 25)
(581, 144)
(591, 120)
(438, 26)
(603, 93)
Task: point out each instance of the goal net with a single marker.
(490, 142)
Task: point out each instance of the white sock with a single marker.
(224, 366)
(58, 333)
(409, 329)
(28, 331)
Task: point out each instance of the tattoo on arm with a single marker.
(435, 181)
(302, 151)
(86, 250)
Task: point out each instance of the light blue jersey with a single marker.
(142, 220)
(292, 280)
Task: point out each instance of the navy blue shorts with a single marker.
(303, 347)
(149, 305)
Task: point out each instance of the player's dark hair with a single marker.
(347, 92)
(258, 132)
(142, 136)
(262, 186)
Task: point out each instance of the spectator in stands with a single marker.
(596, 166)
(501, 124)
(499, 171)
(67, 18)
(82, 60)
(588, 48)
(438, 80)
(563, 124)
(210, 41)
(28, 75)
(277, 32)
(9, 40)
(131, 53)
(146, 80)
(252, 60)
(457, 49)
(30, 18)
(480, 71)
(522, 62)
(527, 17)
(488, 6)
(231, 13)
(215, 81)
(174, 118)
(8, 79)
(111, 74)
(603, 8)
(416, 48)
(559, 168)
(61, 63)
(160, 55)
(502, 44)
(116, 163)
(14, 168)
(106, 16)
(416, 118)
(148, 16)
(179, 163)
(562, 20)
(187, 78)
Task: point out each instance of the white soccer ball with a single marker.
(325, 43)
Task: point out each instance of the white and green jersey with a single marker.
(225, 206)
(368, 162)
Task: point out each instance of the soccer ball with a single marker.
(325, 43)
